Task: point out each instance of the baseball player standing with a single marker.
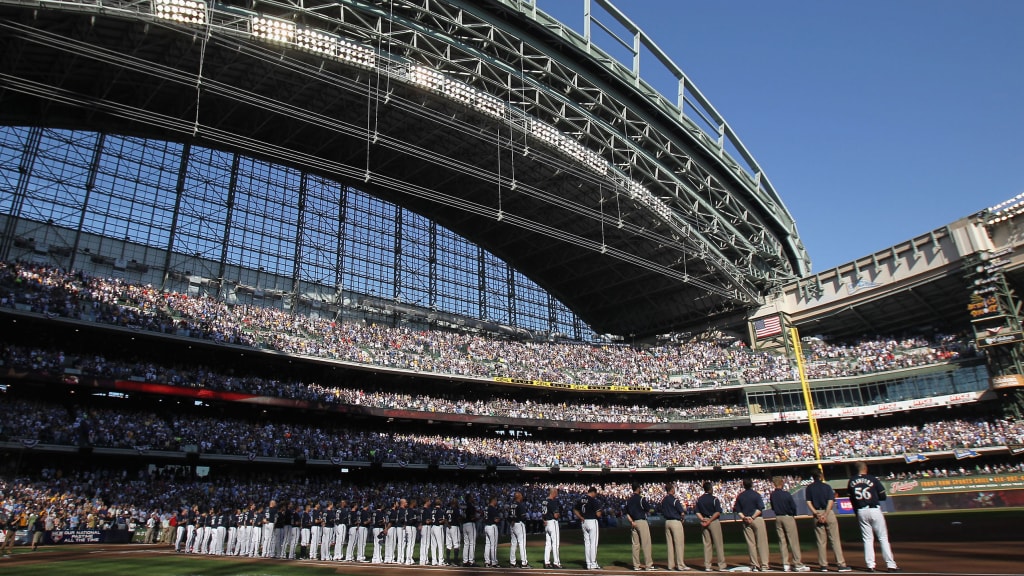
(517, 516)
(452, 531)
(355, 519)
(470, 516)
(379, 525)
(865, 494)
(588, 510)
(398, 527)
(316, 532)
(785, 526)
(436, 532)
(426, 517)
(636, 512)
(269, 518)
(709, 510)
(327, 536)
(391, 535)
(551, 513)
(412, 519)
(341, 522)
(491, 518)
(180, 520)
(821, 500)
(750, 507)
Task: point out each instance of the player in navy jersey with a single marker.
(588, 510)
(551, 514)
(492, 517)
(865, 494)
(517, 516)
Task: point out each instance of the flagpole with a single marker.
(798, 352)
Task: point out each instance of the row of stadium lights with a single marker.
(1007, 209)
(312, 40)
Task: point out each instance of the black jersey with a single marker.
(550, 508)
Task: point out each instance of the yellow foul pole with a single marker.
(798, 352)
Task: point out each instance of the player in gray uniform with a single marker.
(865, 494)
(821, 500)
(588, 510)
(517, 516)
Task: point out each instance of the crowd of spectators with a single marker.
(695, 363)
(109, 498)
(570, 410)
(29, 420)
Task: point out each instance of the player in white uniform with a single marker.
(469, 518)
(492, 517)
(551, 514)
(865, 494)
(517, 516)
(588, 510)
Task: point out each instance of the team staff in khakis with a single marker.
(636, 512)
(750, 507)
(865, 494)
(821, 500)
(709, 513)
(785, 526)
(672, 510)
(588, 510)
(551, 513)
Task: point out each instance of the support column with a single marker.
(432, 280)
(299, 229)
(513, 311)
(232, 187)
(481, 286)
(90, 183)
(28, 160)
(179, 190)
(396, 289)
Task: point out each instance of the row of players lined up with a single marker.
(572, 410)
(104, 427)
(331, 532)
(698, 362)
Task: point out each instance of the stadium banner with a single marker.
(959, 500)
(979, 483)
(565, 386)
(1007, 381)
(854, 411)
(89, 537)
(999, 339)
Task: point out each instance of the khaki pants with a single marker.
(825, 532)
(641, 541)
(675, 539)
(789, 540)
(712, 536)
(756, 535)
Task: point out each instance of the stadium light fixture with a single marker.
(317, 41)
(184, 11)
(273, 30)
(356, 54)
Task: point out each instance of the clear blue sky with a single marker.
(876, 120)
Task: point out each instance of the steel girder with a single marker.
(717, 251)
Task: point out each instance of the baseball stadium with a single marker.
(350, 287)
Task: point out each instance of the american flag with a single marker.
(765, 327)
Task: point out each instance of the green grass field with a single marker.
(614, 549)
